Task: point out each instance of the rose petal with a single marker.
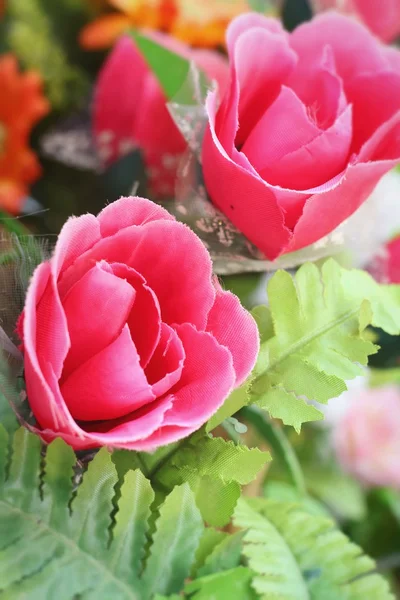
(39, 371)
(161, 437)
(253, 74)
(322, 91)
(207, 378)
(145, 317)
(77, 235)
(109, 385)
(324, 212)
(97, 298)
(241, 195)
(130, 211)
(117, 433)
(234, 327)
(284, 128)
(382, 18)
(247, 21)
(161, 251)
(165, 367)
(118, 100)
(345, 36)
(383, 93)
(315, 163)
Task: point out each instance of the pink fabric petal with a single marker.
(355, 49)
(234, 327)
(383, 17)
(130, 211)
(382, 91)
(324, 212)
(52, 339)
(242, 195)
(47, 408)
(144, 320)
(322, 91)
(117, 433)
(161, 437)
(109, 385)
(208, 377)
(165, 367)
(119, 99)
(77, 235)
(315, 163)
(247, 21)
(124, 432)
(284, 128)
(384, 145)
(253, 74)
(162, 252)
(98, 298)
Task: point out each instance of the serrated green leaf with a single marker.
(57, 483)
(317, 341)
(96, 553)
(235, 401)
(178, 532)
(215, 469)
(296, 556)
(92, 505)
(226, 555)
(235, 583)
(217, 457)
(22, 488)
(130, 531)
(209, 540)
(215, 498)
(286, 406)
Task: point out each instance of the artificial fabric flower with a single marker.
(382, 17)
(310, 124)
(130, 110)
(367, 437)
(128, 341)
(22, 105)
(201, 24)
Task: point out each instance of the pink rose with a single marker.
(130, 109)
(382, 17)
(309, 125)
(367, 439)
(127, 341)
(385, 267)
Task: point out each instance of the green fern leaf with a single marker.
(215, 470)
(235, 583)
(56, 542)
(313, 337)
(178, 532)
(299, 556)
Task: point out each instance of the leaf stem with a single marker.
(12, 224)
(279, 443)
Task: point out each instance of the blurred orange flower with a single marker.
(200, 23)
(22, 105)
